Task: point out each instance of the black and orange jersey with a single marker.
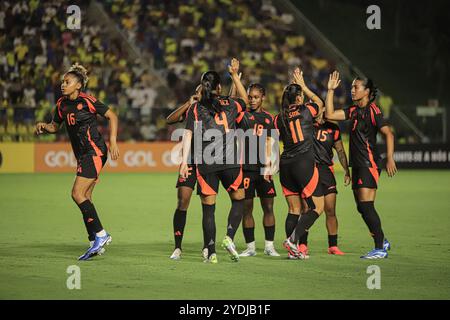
(222, 119)
(296, 130)
(260, 125)
(365, 123)
(325, 136)
(80, 117)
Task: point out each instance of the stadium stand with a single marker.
(176, 40)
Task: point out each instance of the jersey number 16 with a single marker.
(71, 119)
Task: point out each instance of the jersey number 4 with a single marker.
(223, 121)
(296, 132)
(71, 119)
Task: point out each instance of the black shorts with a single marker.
(208, 184)
(190, 180)
(363, 177)
(254, 181)
(89, 166)
(327, 181)
(299, 177)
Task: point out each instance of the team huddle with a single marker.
(213, 154)
(305, 165)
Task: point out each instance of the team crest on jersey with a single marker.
(224, 102)
(79, 106)
(267, 121)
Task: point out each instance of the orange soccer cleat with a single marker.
(335, 250)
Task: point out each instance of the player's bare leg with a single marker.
(332, 224)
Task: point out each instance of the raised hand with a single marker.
(298, 77)
(333, 81)
(233, 67)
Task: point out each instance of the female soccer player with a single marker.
(260, 123)
(298, 171)
(185, 184)
(366, 120)
(326, 137)
(79, 113)
(212, 118)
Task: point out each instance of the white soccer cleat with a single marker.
(249, 252)
(101, 251)
(205, 254)
(176, 255)
(270, 251)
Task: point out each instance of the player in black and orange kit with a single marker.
(213, 123)
(327, 136)
(78, 111)
(298, 171)
(257, 165)
(366, 119)
(185, 184)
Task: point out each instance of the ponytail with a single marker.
(288, 99)
(210, 80)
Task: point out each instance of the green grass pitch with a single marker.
(42, 234)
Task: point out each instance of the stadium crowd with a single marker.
(183, 38)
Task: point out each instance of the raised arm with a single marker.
(178, 114)
(298, 79)
(233, 91)
(339, 146)
(113, 125)
(233, 69)
(330, 113)
(391, 167)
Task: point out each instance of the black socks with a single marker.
(209, 228)
(304, 223)
(304, 239)
(249, 234)
(373, 222)
(269, 232)
(179, 221)
(291, 222)
(235, 217)
(332, 240)
(90, 218)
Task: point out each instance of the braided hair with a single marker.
(80, 73)
(210, 80)
(258, 87)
